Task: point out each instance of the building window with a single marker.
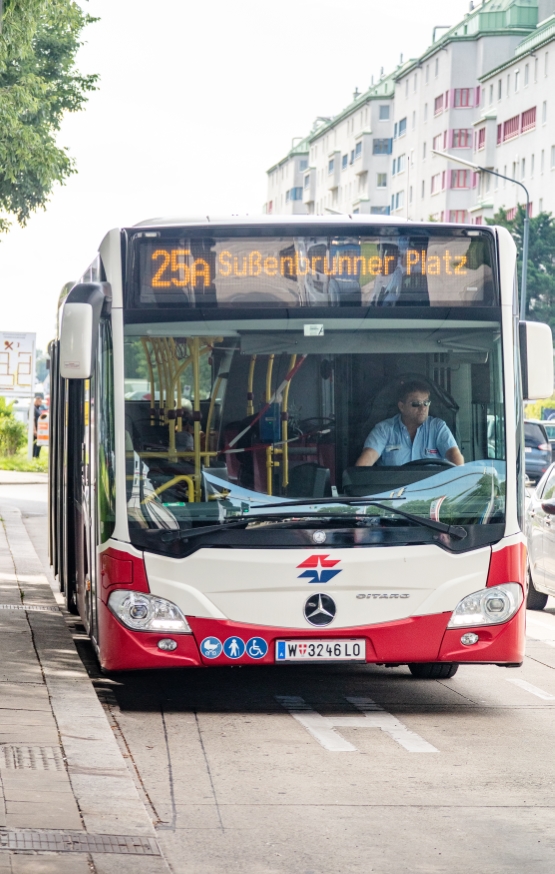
(517, 80)
(358, 150)
(384, 112)
(511, 128)
(293, 194)
(435, 183)
(423, 151)
(526, 75)
(462, 138)
(460, 179)
(542, 160)
(463, 97)
(423, 191)
(382, 180)
(425, 112)
(437, 142)
(352, 156)
(427, 73)
(481, 138)
(437, 68)
(381, 147)
(457, 216)
(553, 157)
(331, 165)
(544, 111)
(344, 162)
(528, 121)
(399, 200)
(413, 120)
(438, 105)
(499, 89)
(303, 164)
(536, 69)
(523, 170)
(490, 94)
(415, 82)
(402, 127)
(532, 164)
(307, 180)
(511, 213)
(401, 163)
(508, 84)
(406, 87)
(499, 134)
(410, 194)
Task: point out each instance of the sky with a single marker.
(195, 102)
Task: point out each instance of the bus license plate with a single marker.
(321, 650)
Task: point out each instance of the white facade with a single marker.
(516, 133)
(376, 155)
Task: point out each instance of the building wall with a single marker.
(285, 184)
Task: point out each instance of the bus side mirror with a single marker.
(81, 314)
(76, 341)
(549, 508)
(536, 360)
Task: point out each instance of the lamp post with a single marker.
(525, 233)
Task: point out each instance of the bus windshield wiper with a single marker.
(456, 531)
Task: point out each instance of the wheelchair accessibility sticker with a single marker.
(257, 647)
(234, 648)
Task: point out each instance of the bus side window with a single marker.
(106, 435)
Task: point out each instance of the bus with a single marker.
(214, 383)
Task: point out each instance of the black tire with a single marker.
(534, 600)
(433, 670)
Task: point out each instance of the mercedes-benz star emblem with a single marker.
(320, 610)
(319, 537)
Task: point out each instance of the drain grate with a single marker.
(77, 842)
(31, 758)
(30, 608)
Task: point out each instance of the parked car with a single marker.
(537, 449)
(550, 431)
(540, 535)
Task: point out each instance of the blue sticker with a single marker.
(257, 647)
(211, 647)
(280, 650)
(234, 647)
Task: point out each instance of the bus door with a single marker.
(87, 590)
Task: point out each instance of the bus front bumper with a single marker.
(416, 639)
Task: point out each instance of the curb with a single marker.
(103, 787)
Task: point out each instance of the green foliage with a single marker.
(534, 411)
(13, 435)
(6, 409)
(38, 85)
(22, 463)
(540, 303)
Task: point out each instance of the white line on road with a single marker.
(528, 687)
(322, 728)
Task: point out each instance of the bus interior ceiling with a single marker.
(289, 423)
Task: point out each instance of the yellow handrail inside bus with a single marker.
(250, 386)
(269, 449)
(285, 430)
(169, 484)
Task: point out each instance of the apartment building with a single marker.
(515, 134)
(343, 165)
(438, 99)
(285, 181)
(376, 156)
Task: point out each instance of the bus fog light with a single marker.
(467, 639)
(488, 606)
(142, 612)
(167, 644)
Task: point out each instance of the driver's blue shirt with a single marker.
(391, 440)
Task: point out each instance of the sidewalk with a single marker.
(18, 477)
(68, 804)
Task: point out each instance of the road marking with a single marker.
(322, 728)
(528, 687)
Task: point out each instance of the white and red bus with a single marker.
(213, 386)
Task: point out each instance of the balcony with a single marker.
(309, 185)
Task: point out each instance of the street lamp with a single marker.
(525, 234)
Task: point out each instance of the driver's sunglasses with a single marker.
(420, 403)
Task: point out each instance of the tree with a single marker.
(38, 85)
(540, 303)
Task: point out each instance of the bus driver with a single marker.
(410, 435)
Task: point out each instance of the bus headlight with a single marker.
(142, 612)
(488, 606)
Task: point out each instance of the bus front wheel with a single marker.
(433, 670)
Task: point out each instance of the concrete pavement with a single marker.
(68, 802)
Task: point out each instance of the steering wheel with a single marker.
(436, 462)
